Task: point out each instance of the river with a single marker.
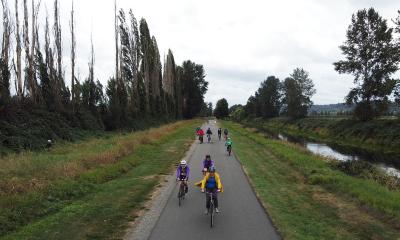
(340, 154)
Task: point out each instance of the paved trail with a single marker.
(241, 215)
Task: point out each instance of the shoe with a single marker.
(206, 212)
(216, 210)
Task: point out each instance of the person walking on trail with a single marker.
(219, 133)
(207, 164)
(182, 174)
(226, 133)
(211, 183)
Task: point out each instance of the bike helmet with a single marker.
(208, 156)
(212, 169)
(183, 162)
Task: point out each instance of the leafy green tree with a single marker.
(194, 88)
(372, 57)
(238, 114)
(221, 109)
(234, 107)
(397, 88)
(270, 97)
(298, 90)
(252, 107)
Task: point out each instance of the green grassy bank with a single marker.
(87, 190)
(307, 199)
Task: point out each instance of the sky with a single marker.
(239, 43)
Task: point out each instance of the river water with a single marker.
(343, 155)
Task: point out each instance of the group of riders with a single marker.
(211, 182)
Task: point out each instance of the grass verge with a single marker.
(307, 199)
(110, 179)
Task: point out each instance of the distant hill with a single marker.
(344, 109)
(331, 108)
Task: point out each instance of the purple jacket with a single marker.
(208, 164)
(179, 171)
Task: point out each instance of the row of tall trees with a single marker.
(141, 88)
(274, 98)
(372, 56)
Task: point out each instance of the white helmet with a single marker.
(183, 162)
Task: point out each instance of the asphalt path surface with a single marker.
(241, 217)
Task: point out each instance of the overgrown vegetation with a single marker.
(140, 92)
(308, 199)
(89, 189)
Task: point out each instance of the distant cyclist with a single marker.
(226, 133)
(219, 133)
(228, 145)
(209, 133)
(182, 173)
(211, 184)
(200, 133)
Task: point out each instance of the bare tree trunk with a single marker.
(32, 65)
(18, 69)
(116, 43)
(5, 52)
(135, 55)
(73, 44)
(31, 86)
(58, 43)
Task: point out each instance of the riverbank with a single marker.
(307, 198)
(379, 139)
(90, 189)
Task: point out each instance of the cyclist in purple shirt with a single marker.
(207, 164)
(182, 173)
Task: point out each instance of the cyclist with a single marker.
(228, 144)
(200, 133)
(209, 133)
(219, 133)
(211, 184)
(207, 164)
(182, 174)
(226, 133)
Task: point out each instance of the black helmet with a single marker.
(208, 156)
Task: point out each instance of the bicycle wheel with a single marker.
(180, 195)
(212, 213)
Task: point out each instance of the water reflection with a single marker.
(328, 151)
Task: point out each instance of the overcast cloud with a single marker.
(239, 43)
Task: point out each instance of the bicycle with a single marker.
(182, 192)
(209, 138)
(229, 149)
(211, 210)
(219, 136)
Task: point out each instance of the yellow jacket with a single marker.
(217, 179)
